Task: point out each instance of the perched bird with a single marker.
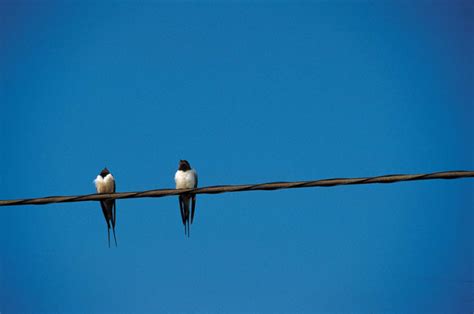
(186, 178)
(105, 183)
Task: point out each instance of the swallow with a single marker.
(186, 178)
(105, 183)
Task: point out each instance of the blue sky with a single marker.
(247, 92)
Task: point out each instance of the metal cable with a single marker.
(241, 188)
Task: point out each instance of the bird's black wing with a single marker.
(193, 204)
(114, 213)
(181, 208)
(103, 204)
(113, 222)
(106, 213)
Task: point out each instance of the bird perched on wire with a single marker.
(186, 178)
(105, 183)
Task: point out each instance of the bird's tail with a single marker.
(115, 238)
(182, 212)
(189, 233)
(193, 207)
(114, 217)
(108, 235)
(186, 214)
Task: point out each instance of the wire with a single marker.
(241, 188)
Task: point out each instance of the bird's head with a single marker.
(104, 172)
(184, 165)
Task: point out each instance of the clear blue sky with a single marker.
(247, 92)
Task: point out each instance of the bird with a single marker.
(105, 183)
(186, 178)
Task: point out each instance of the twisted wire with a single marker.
(241, 188)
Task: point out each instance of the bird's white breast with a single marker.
(105, 185)
(185, 179)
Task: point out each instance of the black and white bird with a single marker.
(105, 183)
(186, 178)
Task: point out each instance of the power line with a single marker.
(241, 188)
